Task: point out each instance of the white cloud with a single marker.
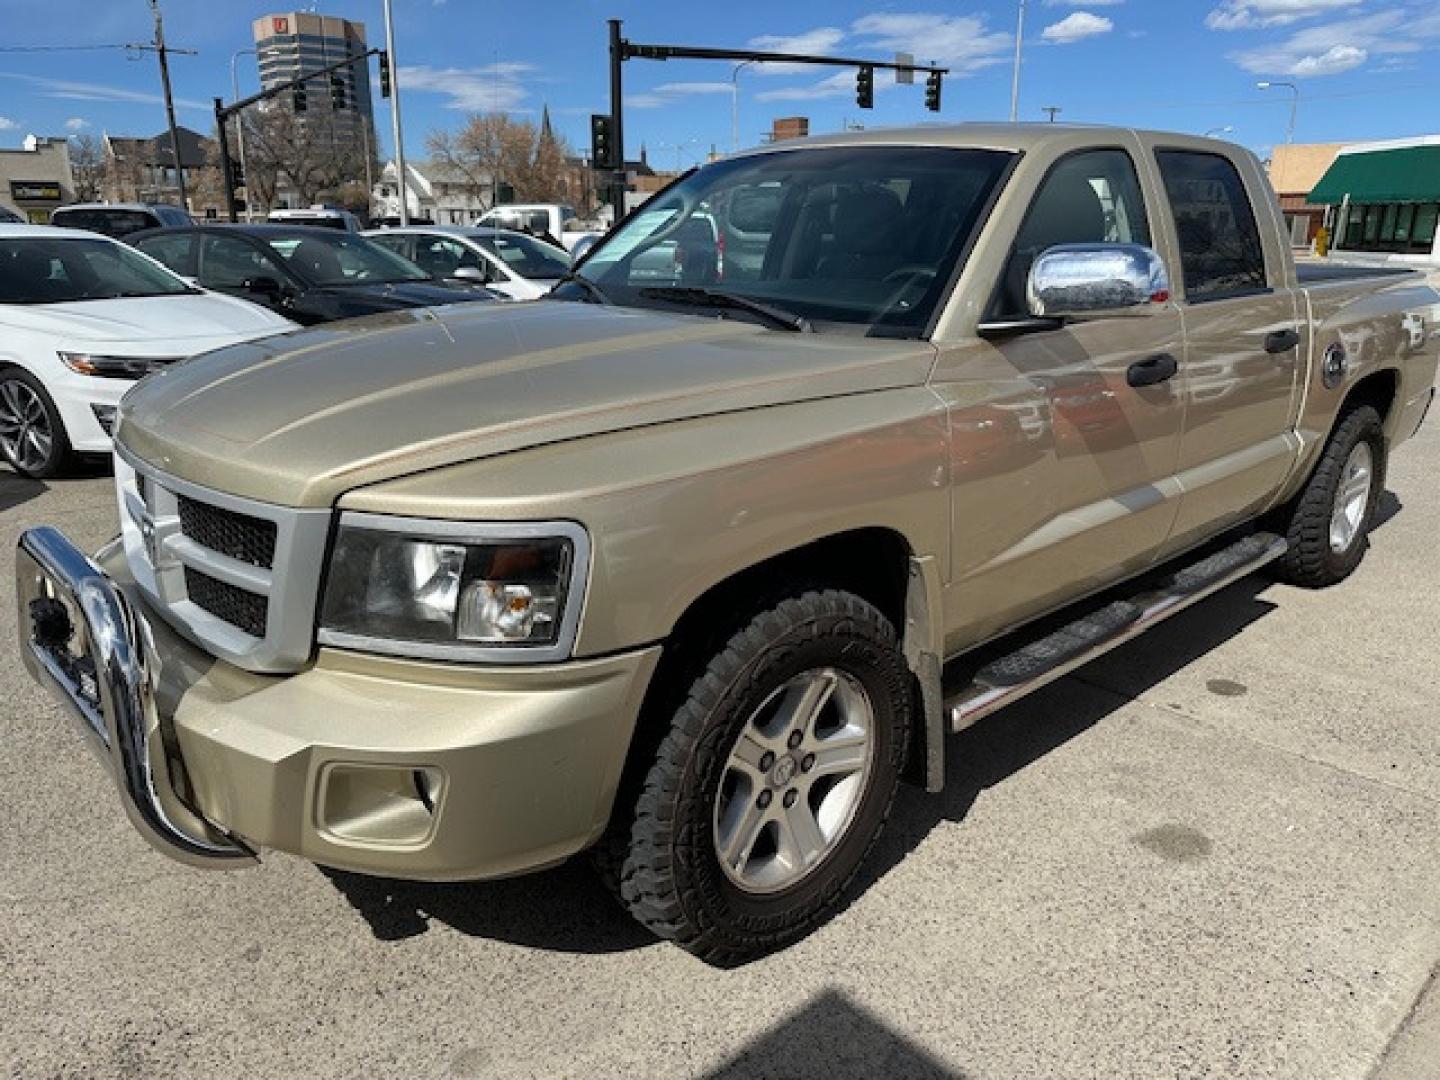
(1248, 14)
(1083, 3)
(1332, 61)
(83, 91)
(6, 124)
(1077, 27)
(492, 88)
(1332, 48)
(817, 42)
(75, 123)
(670, 93)
(837, 85)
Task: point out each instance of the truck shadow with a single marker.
(16, 490)
(568, 909)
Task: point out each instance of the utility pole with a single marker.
(161, 51)
(617, 119)
(1015, 78)
(395, 113)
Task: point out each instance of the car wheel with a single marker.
(32, 435)
(1328, 524)
(773, 781)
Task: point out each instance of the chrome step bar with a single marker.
(996, 685)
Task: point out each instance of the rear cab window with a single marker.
(1221, 251)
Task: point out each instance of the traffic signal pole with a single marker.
(622, 50)
(224, 112)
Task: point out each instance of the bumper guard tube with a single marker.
(83, 640)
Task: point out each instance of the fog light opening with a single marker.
(380, 805)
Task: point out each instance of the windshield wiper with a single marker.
(698, 297)
(577, 278)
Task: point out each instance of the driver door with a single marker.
(1062, 474)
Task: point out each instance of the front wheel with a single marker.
(32, 435)
(774, 781)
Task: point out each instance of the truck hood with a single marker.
(182, 324)
(301, 419)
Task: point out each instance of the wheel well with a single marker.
(1378, 390)
(872, 563)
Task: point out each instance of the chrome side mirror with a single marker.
(1092, 281)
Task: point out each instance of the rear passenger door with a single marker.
(1242, 338)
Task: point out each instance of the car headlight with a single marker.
(114, 367)
(455, 590)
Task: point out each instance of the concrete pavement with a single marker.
(1215, 852)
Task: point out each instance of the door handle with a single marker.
(1152, 370)
(1281, 341)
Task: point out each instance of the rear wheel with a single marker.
(1328, 524)
(32, 435)
(773, 782)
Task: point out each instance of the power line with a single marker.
(61, 48)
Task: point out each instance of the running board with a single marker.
(1010, 677)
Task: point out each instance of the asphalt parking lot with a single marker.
(1215, 852)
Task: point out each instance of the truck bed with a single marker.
(1311, 273)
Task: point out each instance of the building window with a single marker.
(1405, 228)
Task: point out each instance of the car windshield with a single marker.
(336, 258)
(526, 256)
(857, 238)
(57, 270)
(108, 221)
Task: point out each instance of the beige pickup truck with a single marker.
(830, 449)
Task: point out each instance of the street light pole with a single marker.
(735, 104)
(240, 125)
(1294, 104)
(1015, 78)
(395, 113)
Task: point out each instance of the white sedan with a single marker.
(82, 317)
(513, 264)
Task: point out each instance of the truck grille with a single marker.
(240, 577)
(240, 536)
(230, 603)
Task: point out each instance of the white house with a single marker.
(433, 191)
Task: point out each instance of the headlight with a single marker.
(455, 590)
(114, 367)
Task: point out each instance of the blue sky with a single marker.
(1365, 69)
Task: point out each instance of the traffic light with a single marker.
(384, 74)
(865, 88)
(337, 90)
(602, 141)
(932, 91)
(297, 98)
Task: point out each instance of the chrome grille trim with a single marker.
(290, 587)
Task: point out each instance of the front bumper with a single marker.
(390, 767)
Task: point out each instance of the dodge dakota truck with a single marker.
(695, 570)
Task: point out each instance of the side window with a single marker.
(1220, 249)
(227, 262)
(176, 251)
(441, 257)
(1089, 197)
(396, 243)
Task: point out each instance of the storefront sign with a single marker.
(35, 190)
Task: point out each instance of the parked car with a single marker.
(119, 219)
(10, 217)
(82, 317)
(321, 217)
(552, 222)
(513, 264)
(696, 573)
(307, 274)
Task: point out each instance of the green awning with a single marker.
(1407, 174)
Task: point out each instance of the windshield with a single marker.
(859, 238)
(35, 270)
(526, 256)
(108, 221)
(326, 258)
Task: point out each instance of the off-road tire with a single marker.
(1311, 562)
(670, 877)
(62, 458)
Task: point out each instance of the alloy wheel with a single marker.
(25, 433)
(1352, 499)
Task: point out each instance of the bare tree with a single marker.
(87, 164)
(493, 149)
(282, 149)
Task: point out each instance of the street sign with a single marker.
(903, 76)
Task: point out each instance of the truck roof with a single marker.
(983, 135)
